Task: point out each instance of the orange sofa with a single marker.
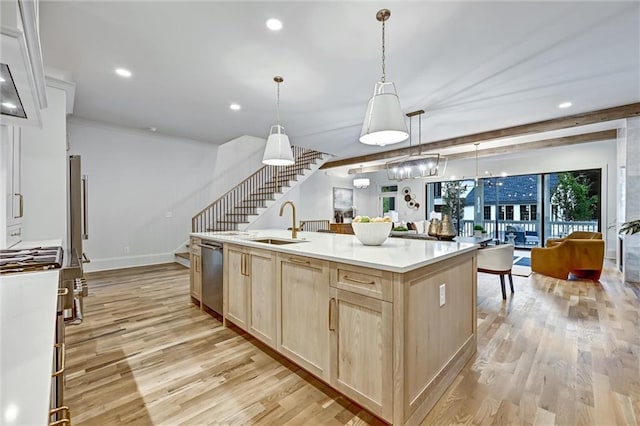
(580, 253)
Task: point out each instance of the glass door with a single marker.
(510, 210)
(572, 202)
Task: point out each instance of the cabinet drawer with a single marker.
(305, 261)
(14, 235)
(369, 282)
(194, 246)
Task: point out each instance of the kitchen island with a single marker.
(388, 326)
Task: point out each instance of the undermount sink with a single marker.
(275, 241)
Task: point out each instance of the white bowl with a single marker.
(372, 233)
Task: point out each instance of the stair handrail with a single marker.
(262, 176)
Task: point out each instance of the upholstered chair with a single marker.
(497, 260)
(575, 235)
(580, 257)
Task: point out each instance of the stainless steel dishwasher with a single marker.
(212, 275)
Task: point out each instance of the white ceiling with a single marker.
(472, 66)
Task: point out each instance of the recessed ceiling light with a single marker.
(565, 105)
(9, 105)
(274, 24)
(2, 80)
(235, 107)
(123, 72)
(153, 129)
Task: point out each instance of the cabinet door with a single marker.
(235, 289)
(262, 300)
(15, 207)
(303, 314)
(195, 273)
(362, 350)
(196, 291)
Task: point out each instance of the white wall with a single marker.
(594, 155)
(313, 199)
(44, 173)
(144, 188)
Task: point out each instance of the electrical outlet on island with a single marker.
(442, 294)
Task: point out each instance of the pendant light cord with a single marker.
(278, 104)
(383, 54)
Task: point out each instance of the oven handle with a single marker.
(63, 355)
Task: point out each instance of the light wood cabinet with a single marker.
(262, 296)
(381, 338)
(195, 273)
(250, 291)
(303, 314)
(361, 357)
(236, 284)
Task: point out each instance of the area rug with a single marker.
(521, 266)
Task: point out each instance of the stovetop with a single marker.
(33, 259)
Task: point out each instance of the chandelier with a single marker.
(416, 165)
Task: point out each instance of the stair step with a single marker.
(184, 255)
(232, 221)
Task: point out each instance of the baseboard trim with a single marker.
(128, 262)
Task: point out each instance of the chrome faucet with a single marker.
(294, 230)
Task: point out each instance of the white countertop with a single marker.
(395, 254)
(27, 333)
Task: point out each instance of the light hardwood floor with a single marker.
(556, 352)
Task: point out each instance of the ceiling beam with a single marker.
(599, 116)
(540, 144)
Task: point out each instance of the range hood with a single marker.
(22, 93)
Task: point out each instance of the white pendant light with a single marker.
(278, 149)
(361, 182)
(383, 121)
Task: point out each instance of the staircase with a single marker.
(243, 204)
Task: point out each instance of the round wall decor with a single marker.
(410, 198)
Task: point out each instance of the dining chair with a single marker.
(497, 260)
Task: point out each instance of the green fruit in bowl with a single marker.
(365, 219)
(399, 229)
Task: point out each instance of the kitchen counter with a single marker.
(389, 326)
(394, 255)
(27, 332)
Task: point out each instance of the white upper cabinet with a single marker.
(23, 88)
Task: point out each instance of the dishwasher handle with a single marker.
(210, 246)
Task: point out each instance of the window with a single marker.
(509, 212)
(487, 212)
(501, 213)
(524, 212)
(534, 212)
(437, 190)
(388, 203)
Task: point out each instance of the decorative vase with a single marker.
(446, 230)
(434, 226)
